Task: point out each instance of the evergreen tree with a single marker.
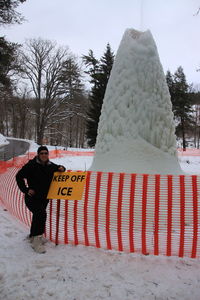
(99, 71)
(74, 90)
(170, 83)
(8, 13)
(8, 62)
(181, 104)
(71, 78)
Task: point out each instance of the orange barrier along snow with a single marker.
(149, 214)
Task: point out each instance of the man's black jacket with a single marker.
(38, 177)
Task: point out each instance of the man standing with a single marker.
(38, 173)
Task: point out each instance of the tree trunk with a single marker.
(6, 115)
(183, 134)
(70, 131)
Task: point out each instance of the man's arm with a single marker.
(61, 168)
(20, 176)
(58, 168)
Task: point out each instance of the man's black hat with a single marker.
(41, 148)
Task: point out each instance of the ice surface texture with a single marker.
(136, 132)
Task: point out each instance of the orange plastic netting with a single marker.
(149, 214)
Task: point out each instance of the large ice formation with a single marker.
(136, 132)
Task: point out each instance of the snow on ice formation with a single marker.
(136, 132)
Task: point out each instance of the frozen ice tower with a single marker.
(136, 132)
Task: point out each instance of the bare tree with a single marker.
(197, 12)
(46, 67)
(5, 96)
(196, 126)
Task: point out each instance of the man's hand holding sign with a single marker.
(67, 185)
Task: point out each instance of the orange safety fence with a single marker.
(148, 214)
(188, 152)
(21, 160)
(61, 153)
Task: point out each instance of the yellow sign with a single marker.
(67, 185)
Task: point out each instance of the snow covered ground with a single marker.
(84, 273)
(3, 141)
(68, 272)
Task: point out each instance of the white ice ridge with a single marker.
(136, 132)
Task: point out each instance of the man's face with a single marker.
(43, 155)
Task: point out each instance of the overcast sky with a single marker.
(91, 24)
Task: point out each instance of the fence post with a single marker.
(57, 220)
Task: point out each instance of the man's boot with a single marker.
(30, 239)
(37, 244)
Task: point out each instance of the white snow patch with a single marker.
(3, 140)
(75, 163)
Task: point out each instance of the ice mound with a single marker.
(136, 132)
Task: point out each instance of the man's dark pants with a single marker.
(38, 207)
